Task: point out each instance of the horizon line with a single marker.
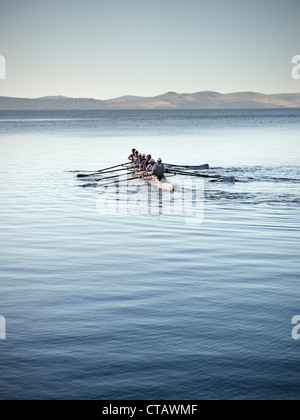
(145, 97)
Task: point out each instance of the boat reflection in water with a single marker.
(142, 199)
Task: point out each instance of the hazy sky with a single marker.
(109, 48)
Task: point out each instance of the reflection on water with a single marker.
(143, 199)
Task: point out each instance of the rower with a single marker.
(142, 161)
(151, 165)
(137, 158)
(132, 156)
(146, 162)
(159, 169)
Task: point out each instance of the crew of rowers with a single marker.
(148, 164)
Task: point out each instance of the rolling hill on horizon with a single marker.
(169, 100)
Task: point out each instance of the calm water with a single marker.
(149, 305)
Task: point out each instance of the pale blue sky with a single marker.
(109, 48)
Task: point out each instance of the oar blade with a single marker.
(82, 176)
(228, 179)
(205, 167)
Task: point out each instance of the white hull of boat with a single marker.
(164, 184)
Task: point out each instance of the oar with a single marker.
(219, 177)
(113, 170)
(118, 182)
(102, 170)
(109, 183)
(199, 168)
(110, 177)
(193, 174)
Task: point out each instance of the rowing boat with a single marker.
(163, 184)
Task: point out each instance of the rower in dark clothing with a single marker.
(146, 162)
(143, 158)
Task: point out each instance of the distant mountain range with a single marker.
(170, 100)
